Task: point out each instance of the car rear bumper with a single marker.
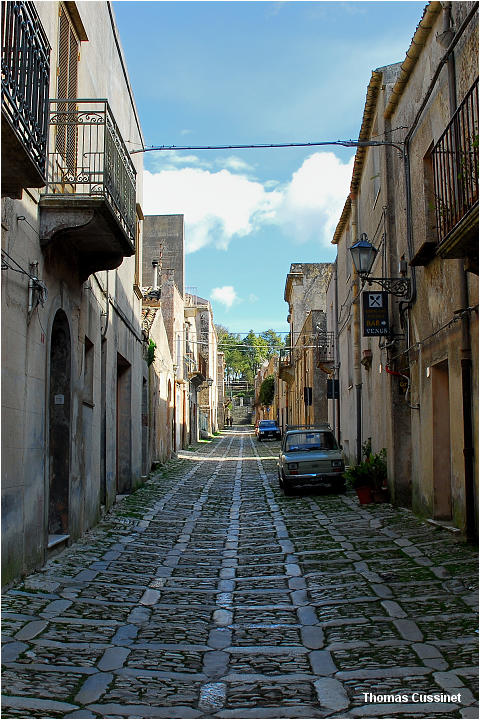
(316, 479)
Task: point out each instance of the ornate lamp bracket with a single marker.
(400, 287)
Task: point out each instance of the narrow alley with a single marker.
(208, 593)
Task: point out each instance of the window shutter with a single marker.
(66, 140)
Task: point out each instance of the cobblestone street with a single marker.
(208, 593)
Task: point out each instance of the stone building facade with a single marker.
(304, 399)
(266, 412)
(414, 391)
(72, 343)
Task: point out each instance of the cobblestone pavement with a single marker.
(207, 593)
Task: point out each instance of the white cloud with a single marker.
(224, 205)
(174, 159)
(314, 198)
(217, 205)
(225, 295)
(236, 163)
(252, 298)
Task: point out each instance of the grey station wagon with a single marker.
(310, 457)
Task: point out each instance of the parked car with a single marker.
(310, 457)
(268, 429)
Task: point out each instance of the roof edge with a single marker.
(422, 32)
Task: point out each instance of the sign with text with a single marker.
(375, 313)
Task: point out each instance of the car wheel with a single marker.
(259, 439)
(287, 488)
(280, 479)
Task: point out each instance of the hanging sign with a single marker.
(333, 390)
(375, 313)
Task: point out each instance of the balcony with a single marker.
(88, 211)
(455, 171)
(286, 369)
(325, 349)
(25, 83)
(196, 368)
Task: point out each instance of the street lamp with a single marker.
(363, 256)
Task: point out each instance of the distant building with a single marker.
(202, 361)
(304, 399)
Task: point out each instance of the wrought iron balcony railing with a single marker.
(25, 80)
(455, 166)
(325, 347)
(88, 158)
(286, 358)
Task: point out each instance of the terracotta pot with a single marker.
(364, 494)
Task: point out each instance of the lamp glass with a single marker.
(363, 256)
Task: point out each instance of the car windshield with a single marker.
(310, 441)
(268, 424)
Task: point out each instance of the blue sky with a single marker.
(211, 73)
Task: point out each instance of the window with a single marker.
(88, 373)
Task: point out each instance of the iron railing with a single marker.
(455, 166)
(88, 158)
(25, 78)
(285, 357)
(325, 349)
(195, 363)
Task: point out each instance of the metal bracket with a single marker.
(400, 287)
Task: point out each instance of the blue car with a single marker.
(268, 430)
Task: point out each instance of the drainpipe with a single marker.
(357, 368)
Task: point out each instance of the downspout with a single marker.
(357, 368)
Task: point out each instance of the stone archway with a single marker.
(59, 426)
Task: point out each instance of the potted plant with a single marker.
(369, 478)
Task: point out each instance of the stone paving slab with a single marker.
(208, 593)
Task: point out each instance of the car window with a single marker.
(268, 423)
(310, 441)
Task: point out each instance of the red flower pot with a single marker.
(364, 495)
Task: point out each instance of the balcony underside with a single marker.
(84, 229)
(287, 374)
(462, 241)
(196, 378)
(18, 169)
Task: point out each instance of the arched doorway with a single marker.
(59, 426)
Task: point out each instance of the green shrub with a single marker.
(267, 391)
(151, 352)
(372, 471)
